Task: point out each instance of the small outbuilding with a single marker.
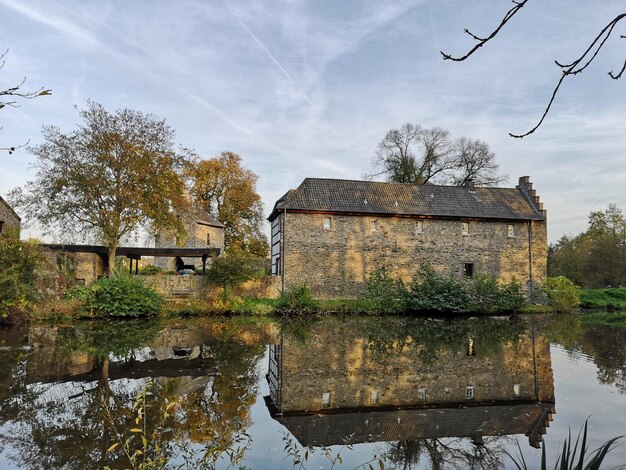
(203, 231)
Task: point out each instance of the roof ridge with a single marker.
(394, 183)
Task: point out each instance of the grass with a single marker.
(605, 318)
(603, 298)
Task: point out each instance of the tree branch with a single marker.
(482, 41)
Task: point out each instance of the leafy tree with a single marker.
(228, 191)
(112, 175)
(596, 257)
(412, 154)
(568, 69)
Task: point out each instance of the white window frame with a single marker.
(422, 393)
(469, 392)
(510, 231)
(465, 228)
(328, 223)
(419, 227)
(326, 399)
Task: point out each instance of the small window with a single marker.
(374, 225)
(277, 267)
(419, 227)
(469, 392)
(510, 231)
(328, 223)
(465, 228)
(516, 389)
(326, 399)
(421, 394)
(375, 396)
(469, 269)
(208, 239)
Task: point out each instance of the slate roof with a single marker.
(399, 425)
(201, 216)
(373, 197)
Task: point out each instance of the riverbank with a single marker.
(608, 299)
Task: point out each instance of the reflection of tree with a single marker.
(61, 425)
(605, 345)
(449, 453)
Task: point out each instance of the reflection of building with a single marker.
(340, 383)
(203, 230)
(330, 234)
(9, 220)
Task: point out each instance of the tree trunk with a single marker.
(111, 265)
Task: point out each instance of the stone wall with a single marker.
(335, 262)
(199, 287)
(347, 366)
(9, 221)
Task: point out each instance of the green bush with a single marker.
(432, 292)
(296, 301)
(486, 295)
(561, 294)
(384, 292)
(235, 267)
(21, 277)
(118, 296)
(150, 270)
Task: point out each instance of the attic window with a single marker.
(328, 223)
(465, 228)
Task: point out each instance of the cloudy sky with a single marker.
(308, 88)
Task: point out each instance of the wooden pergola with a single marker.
(135, 253)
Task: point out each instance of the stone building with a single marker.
(9, 220)
(331, 234)
(203, 230)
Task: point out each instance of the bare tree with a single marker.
(474, 161)
(9, 97)
(412, 154)
(577, 66)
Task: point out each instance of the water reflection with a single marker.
(428, 392)
(415, 382)
(51, 409)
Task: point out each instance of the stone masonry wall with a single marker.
(199, 287)
(342, 364)
(9, 223)
(335, 262)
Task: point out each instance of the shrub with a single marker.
(118, 296)
(432, 292)
(384, 292)
(486, 295)
(297, 300)
(235, 267)
(21, 277)
(150, 270)
(561, 293)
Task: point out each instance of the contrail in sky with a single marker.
(286, 74)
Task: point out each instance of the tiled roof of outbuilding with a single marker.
(6, 204)
(201, 216)
(374, 197)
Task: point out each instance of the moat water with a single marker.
(411, 392)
